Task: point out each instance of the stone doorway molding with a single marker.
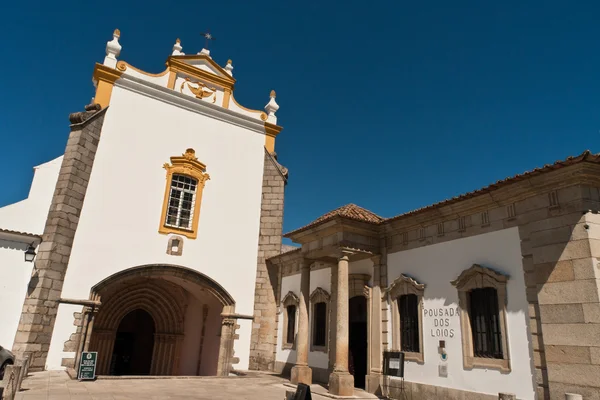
(158, 290)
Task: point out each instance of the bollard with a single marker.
(28, 359)
(573, 396)
(11, 381)
(507, 396)
(24, 367)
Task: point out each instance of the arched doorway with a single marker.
(134, 343)
(162, 320)
(357, 339)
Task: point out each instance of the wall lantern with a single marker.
(30, 254)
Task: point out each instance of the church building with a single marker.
(494, 291)
(135, 222)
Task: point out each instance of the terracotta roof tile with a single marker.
(354, 212)
(349, 211)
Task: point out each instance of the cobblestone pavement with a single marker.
(55, 385)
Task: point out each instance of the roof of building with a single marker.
(354, 212)
(349, 211)
(17, 233)
(586, 156)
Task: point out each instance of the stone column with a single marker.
(226, 347)
(341, 382)
(374, 377)
(301, 372)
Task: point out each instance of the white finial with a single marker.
(177, 49)
(271, 108)
(229, 68)
(205, 52)
(113, 49)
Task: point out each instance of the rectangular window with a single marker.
(485, 323)
(320, 330)
(181, 202)
(408, 306)
(291, 324)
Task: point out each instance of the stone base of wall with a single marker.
(319, 375)
(419, 391)
(412, 390)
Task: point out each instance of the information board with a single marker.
(393, 363)
(87, 366)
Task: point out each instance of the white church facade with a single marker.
(495, 291)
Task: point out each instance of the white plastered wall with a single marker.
(118, 228)
(30, 215)
(14, 279)
(435, 266)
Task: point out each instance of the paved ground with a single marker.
(56, 385)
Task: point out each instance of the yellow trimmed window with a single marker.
(186, 177)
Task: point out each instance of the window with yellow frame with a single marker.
(185, 181)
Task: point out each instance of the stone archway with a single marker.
(190, 337)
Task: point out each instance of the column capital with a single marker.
(376, 259)
(306, 263)
(344, 254)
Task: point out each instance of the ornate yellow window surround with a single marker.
(186, 165)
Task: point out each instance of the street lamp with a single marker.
(30, 254)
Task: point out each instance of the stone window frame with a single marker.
(401, 286)
(290, 299)
(188, 165)
(319, 295)
(478, 277)
(170, 246)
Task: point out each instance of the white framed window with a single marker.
(182, 197)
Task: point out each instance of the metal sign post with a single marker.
(393, 365)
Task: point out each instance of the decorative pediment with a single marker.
(404, 284)
(188, 164)
(290, 299)
(479, 277)
(319, 295)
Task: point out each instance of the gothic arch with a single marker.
(163, 291)
(165, 270)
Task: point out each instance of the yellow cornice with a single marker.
(107, 74)
(209, 60)
(263, 115)
(176, 64)
(105, 77)
(272, 129)
(122, 66)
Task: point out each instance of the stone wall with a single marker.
(395, 389)
(263, 342)
(41, 302)
(560, 264)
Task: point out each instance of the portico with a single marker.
(352, 359)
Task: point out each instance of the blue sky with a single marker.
(392, 105)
